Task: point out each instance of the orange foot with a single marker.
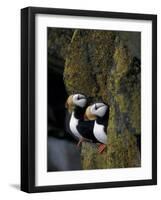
(101, 148)
(80, 142)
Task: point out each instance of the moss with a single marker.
(88, 51)
(73, 69)
(111, 124)
(121, 102)
(122, 151)
(103, 65)
(93, 159)
(58, 42)
(135, 111)
(122, 60)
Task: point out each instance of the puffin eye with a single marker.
(95, 107)
(78, 97)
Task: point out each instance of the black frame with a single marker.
(28, 98)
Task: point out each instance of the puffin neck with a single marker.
(104, 119)
(79, 112)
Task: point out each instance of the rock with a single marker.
(105, 65)
(58, 41)
(91, 159)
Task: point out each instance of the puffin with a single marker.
(99, 113)
(75, 124)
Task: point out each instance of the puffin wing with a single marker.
(67, 128)
(85, 128)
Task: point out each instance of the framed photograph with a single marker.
(88, 99)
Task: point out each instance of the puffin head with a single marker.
(95, 110)
(79, 100)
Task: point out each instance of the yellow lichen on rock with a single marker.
(105, 65)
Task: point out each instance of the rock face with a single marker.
(105, 65)
(58, 41)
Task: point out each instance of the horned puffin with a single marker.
(99, 113)
(75, 124)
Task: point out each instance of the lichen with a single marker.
(93, 160)
(103, 65)
(122, 151)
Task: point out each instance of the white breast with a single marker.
(73, 126)
(99, 133)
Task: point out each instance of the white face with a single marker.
(99, 109)
(79, 100)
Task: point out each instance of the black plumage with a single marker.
(85, 128)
